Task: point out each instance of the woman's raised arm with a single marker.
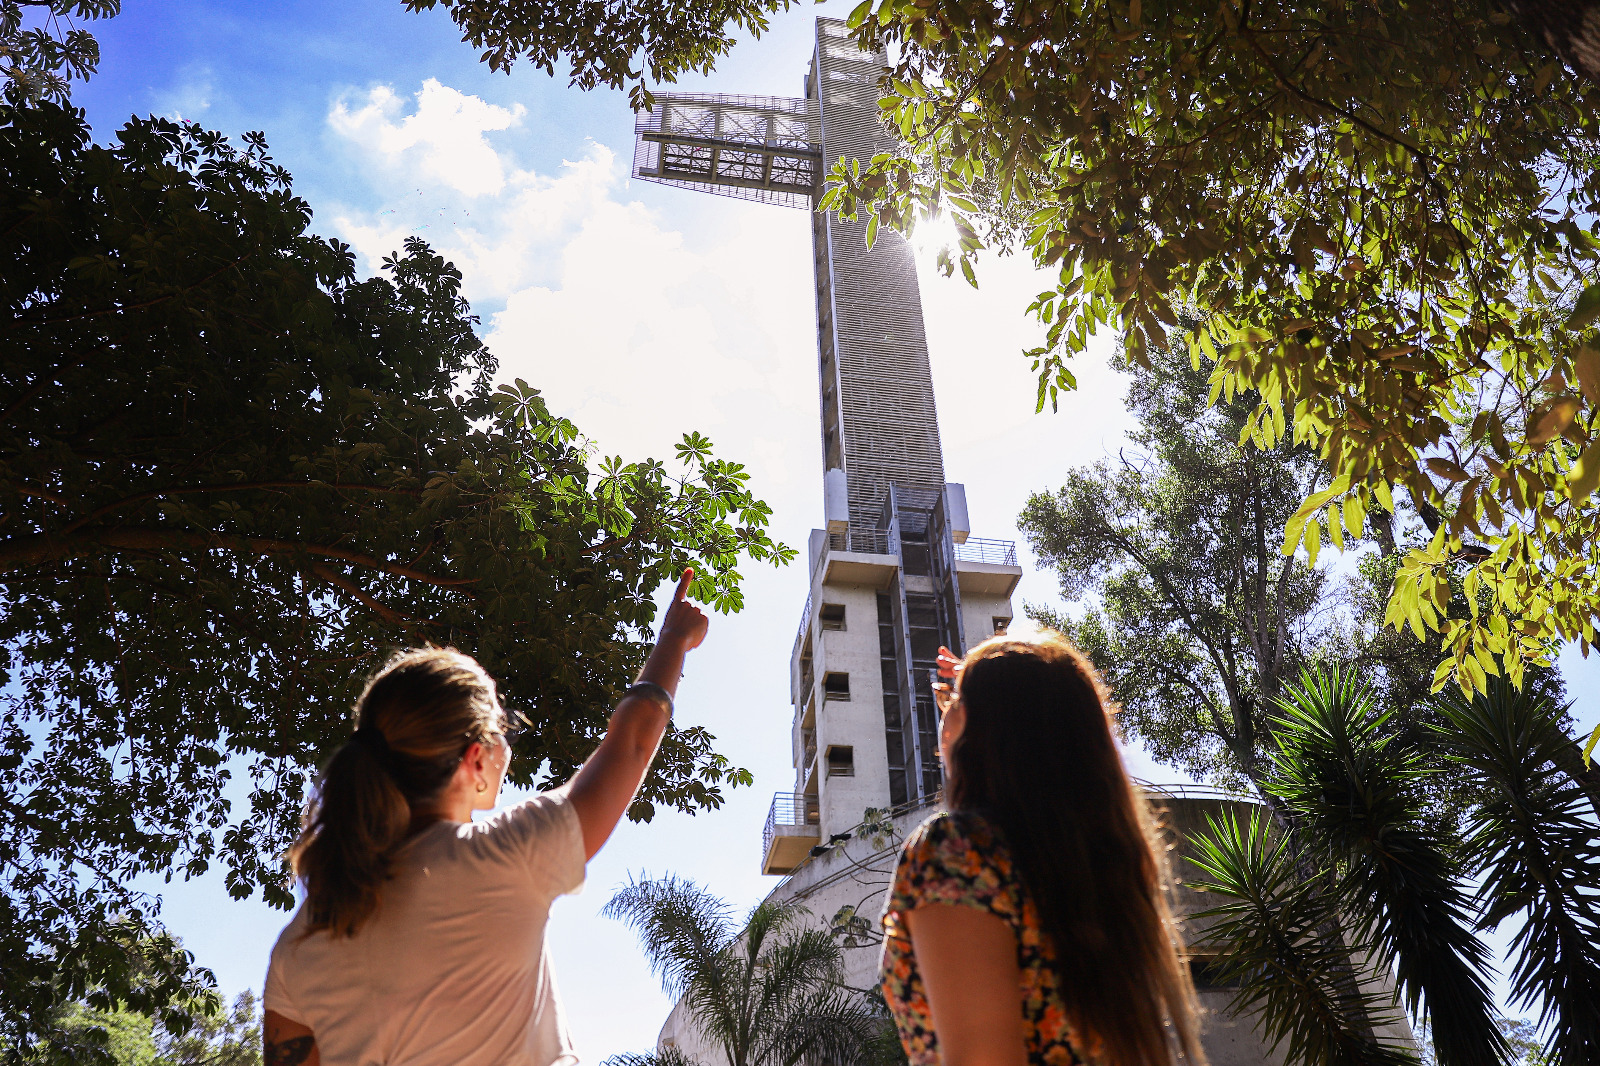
(608, 781)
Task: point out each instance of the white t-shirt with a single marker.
(451, 970)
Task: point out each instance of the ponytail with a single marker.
(415, 720)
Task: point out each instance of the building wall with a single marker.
(856, 723)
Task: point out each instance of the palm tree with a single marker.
(1349, 792)
(768, 991)
(1273, 938)
(1537, 855)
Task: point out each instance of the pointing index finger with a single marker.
(682, 592)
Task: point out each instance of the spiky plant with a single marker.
(660, 1056)
(1348, 788)
(1537, 855)
(767, 991)
(1271, 935)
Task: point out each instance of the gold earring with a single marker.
(482, 787)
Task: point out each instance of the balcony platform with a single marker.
(793, 828)
(987, 579)
(859, 568)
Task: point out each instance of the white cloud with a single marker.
(443, 139)
(190, 97)
(629, 327)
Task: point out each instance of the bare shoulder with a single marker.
(287, 1043)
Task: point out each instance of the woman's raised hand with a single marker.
(684, 624)
(949, 669)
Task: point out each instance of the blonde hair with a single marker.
(414, 721)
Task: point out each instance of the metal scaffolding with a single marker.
(766, 148)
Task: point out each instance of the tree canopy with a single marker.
(1383, 213)
(40, 57)
(1197, 620)
(233, 477)
(1192, 614)
(610, 44)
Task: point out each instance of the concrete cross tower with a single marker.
(894, 574)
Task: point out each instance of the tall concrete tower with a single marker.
(894, 572)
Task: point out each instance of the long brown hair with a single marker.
(414, 721)
(1037, 760)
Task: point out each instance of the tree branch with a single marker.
(20, 553)
(242, 486)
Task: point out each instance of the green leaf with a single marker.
(1584, 477)
(1587, 309)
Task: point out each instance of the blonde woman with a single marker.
(420, 940)
(1026, 925)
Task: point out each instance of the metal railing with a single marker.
(984, 550)
(788, 808)
(1188, 791)
(865, 541)
(805, 624)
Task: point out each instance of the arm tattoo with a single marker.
(290, 1052)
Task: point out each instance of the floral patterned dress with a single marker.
(959, 858)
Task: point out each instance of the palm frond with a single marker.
(1270, 936)
(1537, 855)
(839, 1027)
(690, 939)
(1346, 786)
(767, 993)
(658, 1056)
(680, 925)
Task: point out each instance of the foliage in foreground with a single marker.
(1194, 617)
(234, 476)
(43, 49)
(1383, 212)
(767, 991)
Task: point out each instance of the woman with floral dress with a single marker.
(1027, 924)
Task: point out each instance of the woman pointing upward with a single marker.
(420, 941)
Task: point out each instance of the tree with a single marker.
(1382, 212)
(767, 991)
(1381, 864)
(233, 477)
(607, 44)
(1534, 847)
(224, 1037)
(1199, 618)
(39, 61)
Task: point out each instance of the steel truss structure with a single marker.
(766, 148)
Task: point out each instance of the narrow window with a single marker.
(833, 616)
(1206, 971)
(836, 686)
(841, 760)
(1001, 623)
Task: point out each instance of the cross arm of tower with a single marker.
(766, 148)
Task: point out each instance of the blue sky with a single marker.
(642, 312)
